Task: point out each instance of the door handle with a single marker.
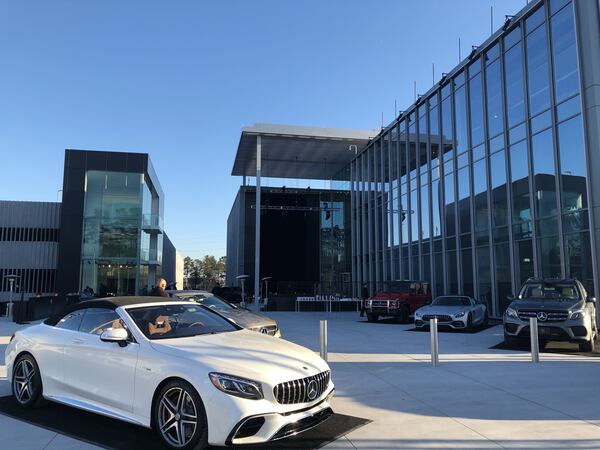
(78, 341)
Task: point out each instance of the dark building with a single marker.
(305, 239)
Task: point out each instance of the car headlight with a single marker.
(577, 314)
(460, 314)
(511, 313)
(240, 387)
(418, 315)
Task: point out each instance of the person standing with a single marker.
(364, 293)
(159, 289)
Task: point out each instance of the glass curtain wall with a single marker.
(482, 183)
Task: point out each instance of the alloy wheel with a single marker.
(23, 381)
(177, 417)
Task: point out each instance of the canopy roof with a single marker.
(298, 152)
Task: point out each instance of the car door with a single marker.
(102, 373)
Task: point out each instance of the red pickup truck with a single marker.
(399, 299)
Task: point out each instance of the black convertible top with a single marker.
(108, 303)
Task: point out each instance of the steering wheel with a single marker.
(195, 323)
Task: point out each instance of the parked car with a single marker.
(399, 299)
(454, 311)
(177, 367)
(243, 317)
(563, 309)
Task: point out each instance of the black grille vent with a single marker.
(553, 316)
(440, 317)
(303, 390)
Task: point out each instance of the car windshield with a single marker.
(210, 301)
(397, 286)
(177, 321)
(451, 301)
(550, 291)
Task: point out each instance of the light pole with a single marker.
(243, 278)
(11, 281)
(266, 296)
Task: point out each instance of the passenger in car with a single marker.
(160, 325)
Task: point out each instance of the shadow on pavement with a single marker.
(564, 348)
(111, 433)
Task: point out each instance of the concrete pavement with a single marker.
(476, 399)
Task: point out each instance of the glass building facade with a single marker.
(122, 233)
(484, 181)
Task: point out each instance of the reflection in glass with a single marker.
(476, 103)
(549, 257)
(464, 200)
(499, 197)
(467, 272)
(523, 261)
(578, 258)
(537, 69)
(484, 280)
(515, 96)
(449, 201)
(572, 165)
(481, 205)
(544, 174)
(452, 272)
(519, 167)
(436, 195)
(460, 105)
(494, 99)
(503, 271)
(564, 53)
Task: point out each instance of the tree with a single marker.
(203, 273)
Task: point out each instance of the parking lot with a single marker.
(478, 397)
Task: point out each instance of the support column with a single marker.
(587, 20)
(257, 224)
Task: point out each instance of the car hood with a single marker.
(549, 304)
(247, 319)
(247, 354)
(448, 310)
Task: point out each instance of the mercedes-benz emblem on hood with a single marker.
(542, 316)
(311, 390)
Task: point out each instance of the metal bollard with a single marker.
(323, 339)
(435, 351)
(535, 343)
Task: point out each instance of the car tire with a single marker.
(588, 346)
(469, 328)
(486, 320)
(372, 317)
(26, 382)
(404, 316)
(510, 341)
(178, 406)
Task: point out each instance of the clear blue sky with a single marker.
(178, 80)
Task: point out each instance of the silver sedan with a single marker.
(454, 311)
(241, 316)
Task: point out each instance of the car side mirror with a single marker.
(510, 298)
(591, 300)
(118, 335)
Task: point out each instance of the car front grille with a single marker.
(439, 317)
(553, 316)
(301, 390)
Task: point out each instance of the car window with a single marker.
(212, 302)
(550, 291)
(452, 301)
(98, 320)
(179, 320)
(71, 321)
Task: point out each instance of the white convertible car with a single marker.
(180, 368)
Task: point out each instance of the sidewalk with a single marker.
(476, 399)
